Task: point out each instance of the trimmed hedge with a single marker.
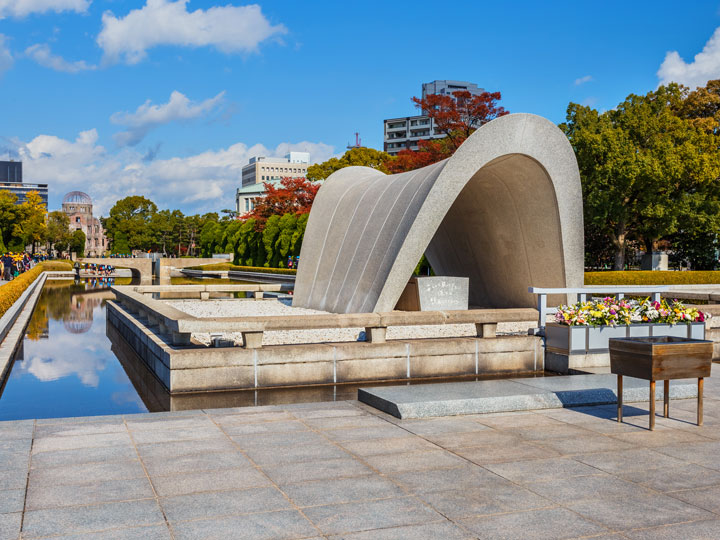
(57, 266)
(647, 277)
(228, 266)
(10, 292)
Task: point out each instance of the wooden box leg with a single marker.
(619, 397)
(652, 405)
(666, 398)
(701, 383)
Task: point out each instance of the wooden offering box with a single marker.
(661, 359)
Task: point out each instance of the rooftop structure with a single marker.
(11, 179)
(11, 171)
(448, 87)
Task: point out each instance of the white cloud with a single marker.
(149, 116)
(230, 29)
(583, 80)
(6, 59)
(704, 67)
(65, 355)
(22, 8)
(42, 54)
(202, 182)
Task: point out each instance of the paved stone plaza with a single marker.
(343, 470)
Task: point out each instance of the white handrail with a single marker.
(582, 292)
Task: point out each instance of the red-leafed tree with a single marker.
(292, 196)
(457, 116)
(428, 152)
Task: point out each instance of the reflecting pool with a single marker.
(72, 364)
(65, 366)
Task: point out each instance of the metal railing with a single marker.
(654, 291)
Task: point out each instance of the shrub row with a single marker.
(646, 277)
(228, 266)
(10, 292)
(57, 266)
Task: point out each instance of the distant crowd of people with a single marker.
(99, 269)
(14, 264)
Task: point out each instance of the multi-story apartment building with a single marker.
(263, 169)
(405, 131)
(11, 180)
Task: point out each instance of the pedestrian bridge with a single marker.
(144, 269)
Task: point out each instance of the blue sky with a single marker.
(169, 98)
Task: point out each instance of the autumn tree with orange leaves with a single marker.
(291, 196)
(455, 116)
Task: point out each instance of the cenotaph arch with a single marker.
(505, 211)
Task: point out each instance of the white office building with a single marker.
(267, 169)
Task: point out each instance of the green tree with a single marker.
(10, 215)
(132, 216)
(77, 243)
(365, 157)
(120, 244)
(165, 226)
(210, 237)
(58, 230)
(32, 228)
(699, 248)
(646, 172)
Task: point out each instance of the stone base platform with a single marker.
(525, 394)
(192, 368)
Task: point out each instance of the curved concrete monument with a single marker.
(505, 210)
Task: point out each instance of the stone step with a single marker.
(520, 394)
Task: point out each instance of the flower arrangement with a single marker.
(609, 311)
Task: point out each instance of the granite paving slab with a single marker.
(152, 532)
(366, 515)
(442, 529)
(550, 524)
(88, 519)
(55, 496)
(264, 526)
(223, 503)
(221, 480)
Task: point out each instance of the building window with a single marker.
(247, 205)
(77, 219)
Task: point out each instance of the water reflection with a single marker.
(65, 366)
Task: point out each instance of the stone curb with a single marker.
(14, 321)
